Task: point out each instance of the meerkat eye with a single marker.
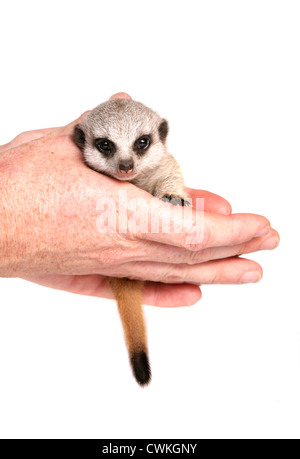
(105, 146)
(142, 144)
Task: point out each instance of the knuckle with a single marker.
(237, 234)
(20, 137)
(196, 237)
(23, 137)
(216, 277)
(113, 255)
(163, 276)
(242, 249)
(175, 275)
(198, 256)
(206, 237)
(200, 240)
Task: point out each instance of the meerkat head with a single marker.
(122, 138)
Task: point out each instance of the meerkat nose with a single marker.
(126, 167)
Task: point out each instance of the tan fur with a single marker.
(128, 294)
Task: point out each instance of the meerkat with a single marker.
(126, 140)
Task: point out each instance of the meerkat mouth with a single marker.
(125, 177)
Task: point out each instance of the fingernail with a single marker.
(263, 231)
(120, 95)
(270, 244)
(250, 277)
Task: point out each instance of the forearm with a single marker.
(17, 217)
(10, 250)
(7, 223)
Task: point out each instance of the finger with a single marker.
(120, 95)
(230, 271)
(213, 202)
(169, 296)
(269, 242)
(36, 134)
(26, 137)
(199, 229)
(162, 253)
(97, 286)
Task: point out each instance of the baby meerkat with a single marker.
(126, 140)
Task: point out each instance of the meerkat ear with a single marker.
(79, 137)
(163, 130)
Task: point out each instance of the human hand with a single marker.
(61, 202)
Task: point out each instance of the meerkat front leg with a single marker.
(171, 189)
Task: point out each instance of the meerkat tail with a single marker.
(128, 294)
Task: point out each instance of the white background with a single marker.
(226, 75)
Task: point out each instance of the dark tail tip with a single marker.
(141, 368)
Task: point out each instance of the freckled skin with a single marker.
(35, 183)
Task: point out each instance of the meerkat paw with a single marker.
(175, 200)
